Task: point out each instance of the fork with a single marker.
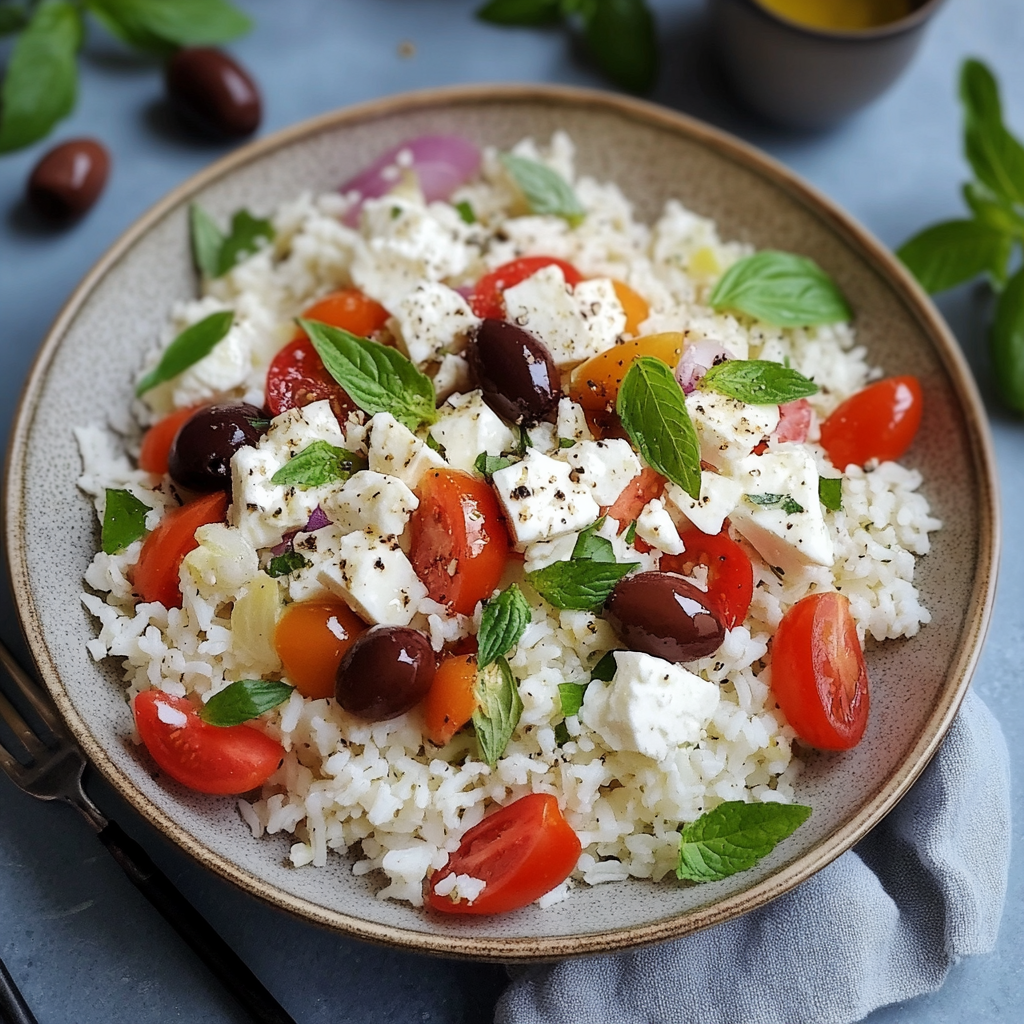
(52, 770)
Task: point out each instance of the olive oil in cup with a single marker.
(841, 15)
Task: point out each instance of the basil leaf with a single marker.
(545, 191)
(561, 735)
(248, 233)
(786, 502)
(604, 669)
(1007, 342)
(993, 211)
(465, 212)
(504, 619)
(500, 706)
(41, 83)
(979, 93)
(996, 157)
(160, 26)
(487, 465)
(630, 533)
(124, 521)
(734, 837)
(954, 251)
(207, 241)
(286, 564)
(376, 377)
(830, 492)
(188, 348)
(581, 585)
(757, 382)
(567, 442)
(593, 548)
(651, 406)
(571, 697)
(317, 464)
(12, 19)
(521, 12)
(244, 700)
(620, 34)
(780, 288)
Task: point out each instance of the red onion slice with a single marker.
(317, 520)
(698, 358)
(285, 545)
(794, 421)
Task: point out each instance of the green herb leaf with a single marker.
(376, 377)
(545, 190)
(41, 83)
(567, 442)
(244, 700)
(207, 241)
(620, 34)
(991, 210)
(247, 235)
(465, 212)
(954, 251)
(578, 585)
(571, 697)
(979, 93)
(13, 18)
(124, 521)
(487, 465)
(159, 26)
(757, 382)
(830, 492)
(604, 669)
(631, 532)
(435, 446)
(734, 837)
(591, 547)
(786, 502)
(500, 706)
(521, 12)
(504, 619)
(781, 288)
(286, 564)
(188, 348)
(651, 406)
(996, 157)
(317, 464)
(1007, 342)
(561, 734)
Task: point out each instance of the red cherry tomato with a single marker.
(487, 300)
(521, 851)
(730, 574)
(156, 572)
(647, 484)
(458, 540)
(207, 758)
(156, 444)
(818, 674)
(877, 423)
(794, 421)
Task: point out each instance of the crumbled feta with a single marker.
(654, 525)
(719, 495)
(571, 423)
(452, 376)
(371, 500)
(604, 466)
(395, 450)
(320, 548)
(727, 428)
(297, 428)
(432, 321)
(467, 426)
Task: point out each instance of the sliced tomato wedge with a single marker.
(521, 851)
(207, 758)
(458, 540)
(818, 673)
(157, 441)
(487, 300)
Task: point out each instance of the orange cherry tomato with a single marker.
(879, 422)
(634, 305)
(311, 638)
(156, 572)
(595, 382)
(349, 309)
(157, 441)
(451, 700)
(647, 484)
(818, 673)
(487, 300)
(207, 758)
(521, 851)
(458, 540)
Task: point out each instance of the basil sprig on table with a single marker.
(502, 623)
(947, 254)
(544, 190)
(499, 708)
(193, 344)
(216, 253)
(243, 701)
(317, 464)
(734, 837)
(124, 521)
(376, 377)
(757, 382)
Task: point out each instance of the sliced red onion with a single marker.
(442, 163)
(317, 520)
(285, 545)
(794, 421)
(465, 290)
(698, 358)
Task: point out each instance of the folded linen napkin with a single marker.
(882, 923)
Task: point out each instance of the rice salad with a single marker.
(652, 743)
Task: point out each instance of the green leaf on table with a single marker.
(955, 251)
(287, 563)
(317, 464)
(188, 348)
(652, 409)
(578, 585)
(124, 521)
(41, 82)
(621, 36)
(570, 696)
(830, 492)
(592, 548)
(995, 212)
(504, 619)
(521, 12)
(545, 190)
(13, 18)
(734, 837)
(243, 701)
(376, 377)
(498, 710)
(160, 26)
(780, 288)
(1006, 342)
(757, 382)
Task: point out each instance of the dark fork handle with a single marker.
(192, 927)
(13, 1008)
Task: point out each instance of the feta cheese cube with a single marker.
(655, 526)
(431, 321)
(719, 495)
(298, 428)
(396, 451)
(321, 548)
(603, 466)
(452, 375)
(467, 426)
(727, 428)
(371, 500)
(571, 423)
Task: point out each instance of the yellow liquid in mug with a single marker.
(841, 14)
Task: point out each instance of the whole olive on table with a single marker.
(387, 671)
(200, 455)
(213, 92)
(68, 179)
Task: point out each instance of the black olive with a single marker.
(663, 614)
(213, 92)
(68, 179)
(386, 672)
(515, 371)
(200, 455)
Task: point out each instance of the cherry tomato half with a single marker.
(730, 574)
(459, 543)
(452, 699)
(595, 382)
(157, 441)
(647, 484)
(349, 309)
(487, 300)
(156, 572)
(634, 305)
(311, 638)
(207, 758)
(521, 851)
(818, 674)
(879, 422)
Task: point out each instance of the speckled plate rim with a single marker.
(877, 805)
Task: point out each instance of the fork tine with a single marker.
(29, 740)
(11, 765)
(31, 692)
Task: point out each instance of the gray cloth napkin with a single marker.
(882, 923)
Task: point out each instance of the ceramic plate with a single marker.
(86, 366)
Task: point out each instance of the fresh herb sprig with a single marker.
(124, 521)
(243, 701)
(194, 343)
(214, 252)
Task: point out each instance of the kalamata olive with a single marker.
(200, 455)
(69, 179)
(515, 372)
(663, 614)
(386, 672)
(213, 92)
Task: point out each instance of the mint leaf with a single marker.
(604, 669)
(487, 465)
(504, 619)
(830, 493)
(41, 83)
(591, 547)
(786, 502)
(465, 212)
(991, 210)
(286, 564)
(567, 442)
(248, 233)
(734, 837)
(979, 93)
(521, 12)
(244, 700)
(996, 157)
(1007, 342)
(317, 464)
(954, 251)
(630, 533)
(159, 26)
(780, 288)
(561, 734)
(571, 697)
(620, 34)
(376, 377)
(207, 241)
(500, 706)
(124, 521)
(651, 406)
(545, 191)
(188, 348)
(579, 585)
(757, 382)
